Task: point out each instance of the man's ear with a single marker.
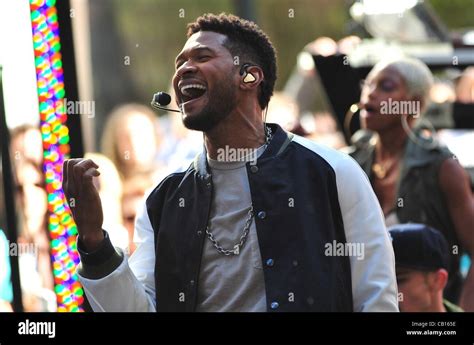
(251, 78)
(441, 278)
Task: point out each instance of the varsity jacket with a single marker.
(316, 216)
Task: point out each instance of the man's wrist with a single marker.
(100, 262)
(91, 242)
(102, 253)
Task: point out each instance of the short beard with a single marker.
(220, 104)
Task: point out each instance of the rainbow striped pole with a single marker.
(55, 135)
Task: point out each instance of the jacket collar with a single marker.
(280, 139)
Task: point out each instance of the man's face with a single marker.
(416, 292)
(379, 87)
(205, 82)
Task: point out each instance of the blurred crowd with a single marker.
(138, 149)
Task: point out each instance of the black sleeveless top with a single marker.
(419, 198)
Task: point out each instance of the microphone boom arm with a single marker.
(160, 100)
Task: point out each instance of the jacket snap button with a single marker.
(274, 305)
(295, 263)
(270, 262)
(254, 168)
(262, 215)
(310, 300)
(199, 233)
(191, 282)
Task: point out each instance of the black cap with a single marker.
(419, 247)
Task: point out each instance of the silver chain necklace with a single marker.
(237, 247)
(268, 136)
(243, 238)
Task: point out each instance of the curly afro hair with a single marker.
(245, 40)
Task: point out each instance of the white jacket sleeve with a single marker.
(131, 286)
(374, 285)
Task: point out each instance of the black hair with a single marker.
(245, 40)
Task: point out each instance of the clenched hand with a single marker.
(84, 201)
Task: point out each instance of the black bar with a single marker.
(70, 76)
(341, 84)
(242, 328)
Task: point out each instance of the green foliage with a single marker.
(455, 14)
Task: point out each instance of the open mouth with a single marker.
(192, 92)
(370, 109)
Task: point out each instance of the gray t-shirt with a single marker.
(234, 282)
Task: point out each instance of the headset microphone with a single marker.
(160, 100)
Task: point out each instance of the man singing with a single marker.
(276, 230)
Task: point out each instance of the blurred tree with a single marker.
(455, 14)
(291, 24)
(112, 81)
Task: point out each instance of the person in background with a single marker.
(284, 111)
(414, 178)
(110, 190)
(465, 86)
(6, 290)
(180, 145)
(422, 263)
(36, 272)
(131, 140)
(320, 127)
(463, 107)
(134, 190)
(326, 131)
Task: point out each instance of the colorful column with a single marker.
(55, 134)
